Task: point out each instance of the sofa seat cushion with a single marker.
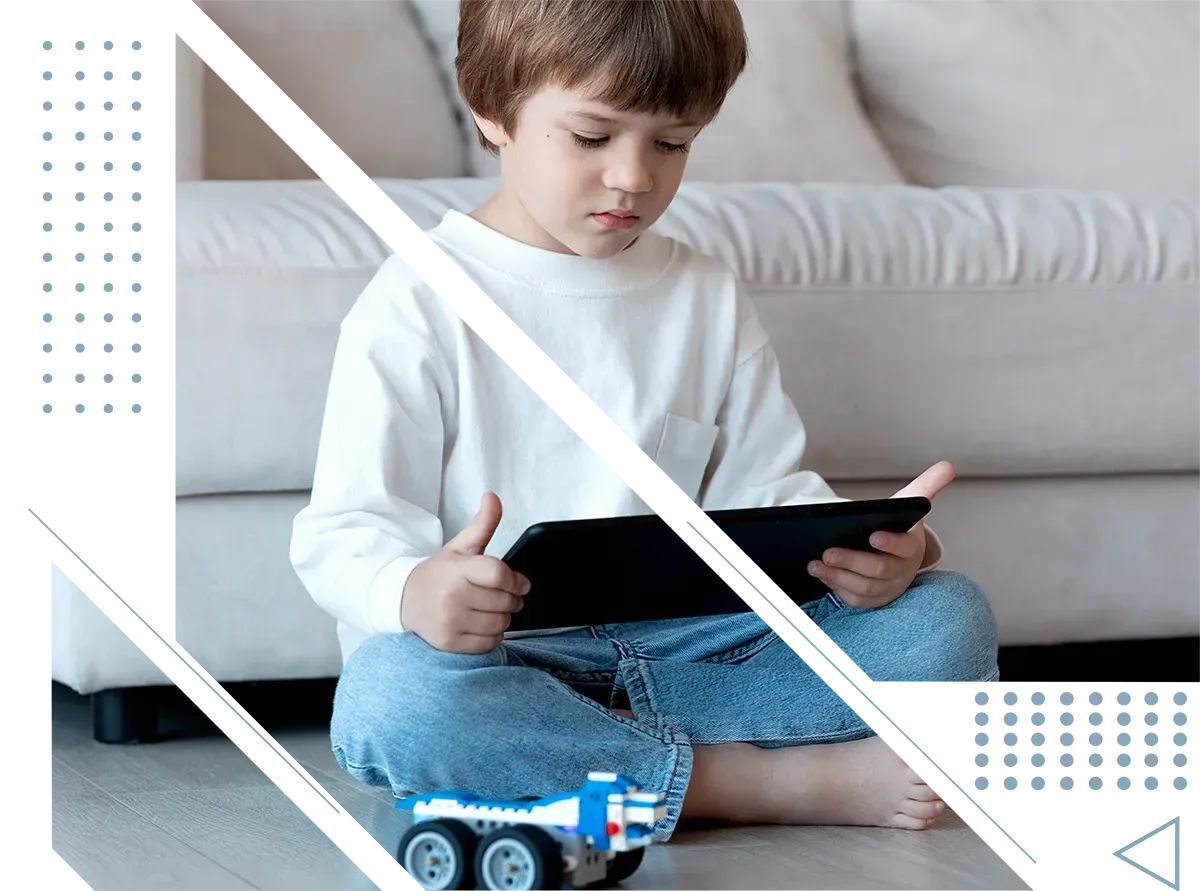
(231, 571)
(1016, 333)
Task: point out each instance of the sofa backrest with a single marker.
(1015, 333)
(1097, 95)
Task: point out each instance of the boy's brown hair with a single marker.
(679, 57)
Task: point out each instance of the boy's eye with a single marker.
(593, 142)
(589, 141)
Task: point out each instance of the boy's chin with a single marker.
(601, 247)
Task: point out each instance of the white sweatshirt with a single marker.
(422, 417)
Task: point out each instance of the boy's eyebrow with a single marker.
(602, 119)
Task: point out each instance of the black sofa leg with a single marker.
(125, 715)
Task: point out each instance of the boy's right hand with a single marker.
(460, 600)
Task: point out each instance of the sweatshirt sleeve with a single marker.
(761, 440)
(373, 513)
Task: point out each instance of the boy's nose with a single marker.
(628, 176)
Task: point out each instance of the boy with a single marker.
(592, 107)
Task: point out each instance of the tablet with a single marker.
(635, 569)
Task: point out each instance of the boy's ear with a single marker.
(494, 132)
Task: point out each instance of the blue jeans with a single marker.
(533, 716)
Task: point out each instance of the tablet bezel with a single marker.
(688, 587)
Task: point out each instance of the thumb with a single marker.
(474, 537)
(929, 483)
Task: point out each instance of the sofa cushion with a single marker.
(793, 114)
(1096, 95)
(1016, 333)
(1053, 553)
(437, 21)
(374, 90)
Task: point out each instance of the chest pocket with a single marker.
(683, 451)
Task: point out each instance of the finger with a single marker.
(904, 545)
(492, 600)
(929, 483)
(476, 535)
(484, 624)
(872, 566)
(477, 643)
(490, 572)
(851, 587)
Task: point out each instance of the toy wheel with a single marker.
(439, 854)
(519, 858)
(624, 865)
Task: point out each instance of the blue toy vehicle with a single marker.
(596, 835)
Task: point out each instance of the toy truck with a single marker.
(596, 835)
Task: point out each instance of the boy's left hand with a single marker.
(863, 579)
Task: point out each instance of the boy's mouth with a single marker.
(616, 219)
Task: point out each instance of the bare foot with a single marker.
(860, 783)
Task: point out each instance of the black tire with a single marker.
(544, 859)
(461, 841)
(621, 867)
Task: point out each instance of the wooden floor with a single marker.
(197, 814)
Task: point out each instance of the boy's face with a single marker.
(579, 177)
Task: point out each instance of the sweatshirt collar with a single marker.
(639, 265)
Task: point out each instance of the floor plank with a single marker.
(178, 766)
(209, 762)
(204, 804)
(259, 834)
(950, 855)
(717, 867)
(112, 847)
(310, 747)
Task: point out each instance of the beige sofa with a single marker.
(970, 236)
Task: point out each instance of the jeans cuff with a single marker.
(677, 771)
(678, 775)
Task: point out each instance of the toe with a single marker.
(904, 821)
(921, 792)
(924, 810)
